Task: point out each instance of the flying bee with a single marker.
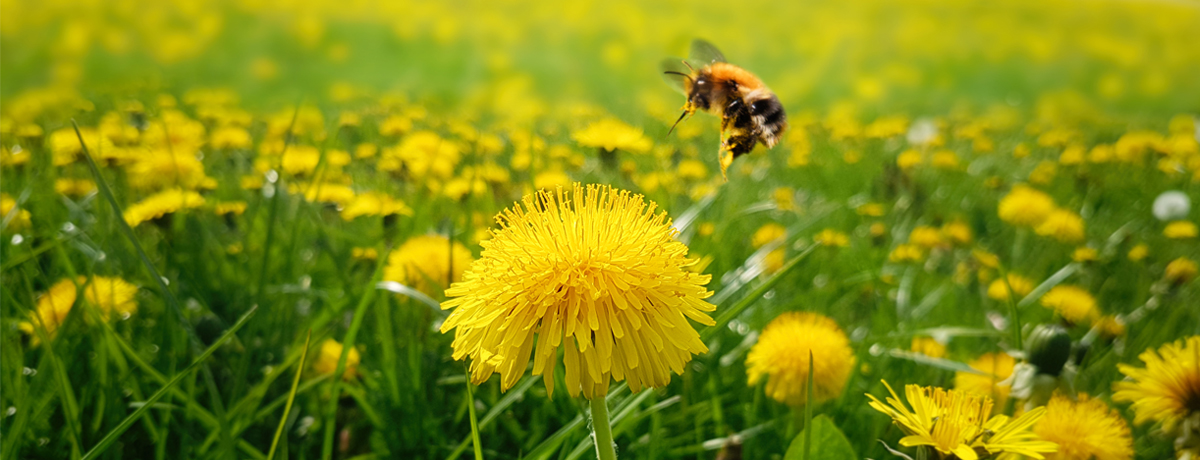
(750, 113)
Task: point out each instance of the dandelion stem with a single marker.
(602, 432)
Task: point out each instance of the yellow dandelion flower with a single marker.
(359, 253)
(52, 309)
(328, 356)
(1180, 271)
(300, 159)
(692, 169)
(1000, 288)
(831, 237)
(906, 253)
(986, 258)
(996, 368)
(1139, 252)
(925, 236)
(870, 209)
(782, 352)
(1062, 225)
(230, 137)
(74, 187)
(1085, 430)
(161, 204)
(784, 197)
(1025, 206)
(1179, 230)
(957, 425)
(327, 192)
(773, 261)
(1168, 388)
(909, 159)
(113, 296)
(1073, 303)
(365, 150)
(596, 272)
(612, 134)
(160, 169)
(1085, 254)
(877, 230)
(945, 159)
(235, 208)
(1110, 326)
(958, 232)
(928, 346)
(374, 204)
(546, 180)
(428, 263)
(19, 219)
(766, 234)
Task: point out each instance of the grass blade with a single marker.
(291, 397)
(738, 308)
(115, 433)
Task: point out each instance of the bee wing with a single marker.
(675, 73)
(706, 53)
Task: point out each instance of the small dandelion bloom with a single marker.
(374, 204)
(113, 296)
(52, 309)
(1025, 206)
(1085, 254)
(831, 237)
(906, 253)
(926, 237)
(928, 346)
(359, 253)
(1167, 390)
(328, 356)
(428, 263)
(592, 270)
(1085, 430)
(1072, 303)
(1139, 252)
(1062, 225)
(870, 209)
(945, 159)
(909, 159)
(20, 217)
(957, 232)
(551, 179)
(995, 369)
(1014, 286)
(612, 134)
(1180, 230)
(1180, 271)
(766, 234)
(782, 357)
(1110, 327)
(954, 424)
(74, 188)
(161, 204)
(235, 208)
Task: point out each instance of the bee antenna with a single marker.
(684, 75)
(689, 65)
(684, 114)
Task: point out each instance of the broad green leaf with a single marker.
(827, 440)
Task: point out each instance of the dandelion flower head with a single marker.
(782, 357)
(1085, 430)
(954, 423)
(1073, 303)
(1167, 390)
(1025, 206)
(595, 271)
(612, 134)
(161, 204)
(995, 369)
(428, 263)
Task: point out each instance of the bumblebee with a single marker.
(750, 113)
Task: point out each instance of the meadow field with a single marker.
(316, 229)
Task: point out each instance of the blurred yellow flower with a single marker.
(609, 283)
(1062, 225)
(785, 198)
(992, 381)
(374, 204)
(327, 192)
(1166, 390)
(549, 180)
(692, 170)
(612, 134)
(161, 169)
(925, 236)
(328, 356)
(1085, 430)
(1085, 254)
(1021, 287)
(230, 137)
(1139, 252)
(229, 207)
(768, 233)
(928, 346)
(1180, 271)
(782, 357)
(74, 187)
(300, 160)
(958, 232)
(358, 253)
(52, 309)
(1180, 229)
(162, 204)
(1025, 206)
(870, 209)
(831, 237)
(1072, 303)
(428, 263)
(945, 159)
(909, 159)
(1110, 326)
(113, 296)
(20, 218)
(906, 253)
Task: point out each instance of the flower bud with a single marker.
(1048, 348)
